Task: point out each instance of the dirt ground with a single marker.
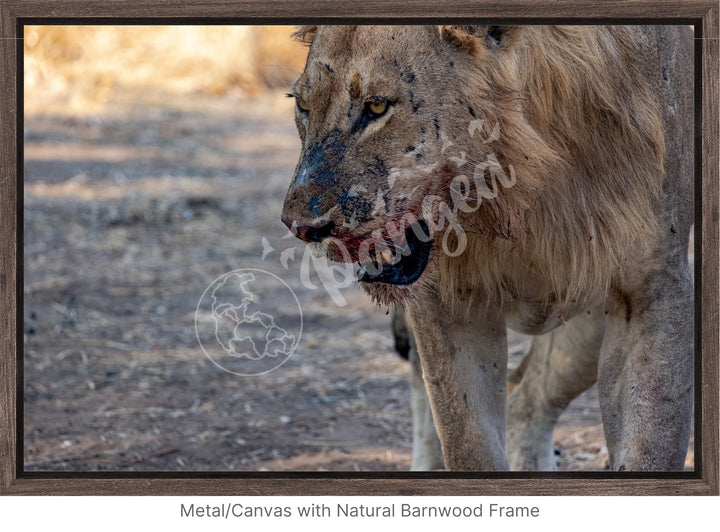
(129, 216)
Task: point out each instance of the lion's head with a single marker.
(419, 141)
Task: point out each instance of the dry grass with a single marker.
(83, 68)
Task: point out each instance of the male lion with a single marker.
(537, 178)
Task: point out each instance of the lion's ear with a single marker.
(468, 37)
(304, 34)
(463, 37)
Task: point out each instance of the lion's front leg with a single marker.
(464, 362)
(646, 374)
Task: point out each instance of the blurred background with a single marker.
(156, 159)
(84, 69)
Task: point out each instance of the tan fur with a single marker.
(547, 144)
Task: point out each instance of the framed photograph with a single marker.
(285, 248)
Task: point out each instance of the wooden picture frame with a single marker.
(703, 14)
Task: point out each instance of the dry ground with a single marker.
(129, 215)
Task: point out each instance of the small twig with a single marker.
(158, 454)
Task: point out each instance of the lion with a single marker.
(531, 177)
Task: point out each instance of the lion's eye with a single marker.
(302, 104)
(376, 109)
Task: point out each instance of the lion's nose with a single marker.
(315, 232)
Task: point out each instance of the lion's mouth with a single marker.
(400, 265)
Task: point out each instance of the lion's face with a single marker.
(373, 106)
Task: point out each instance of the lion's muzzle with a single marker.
(317, 231)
